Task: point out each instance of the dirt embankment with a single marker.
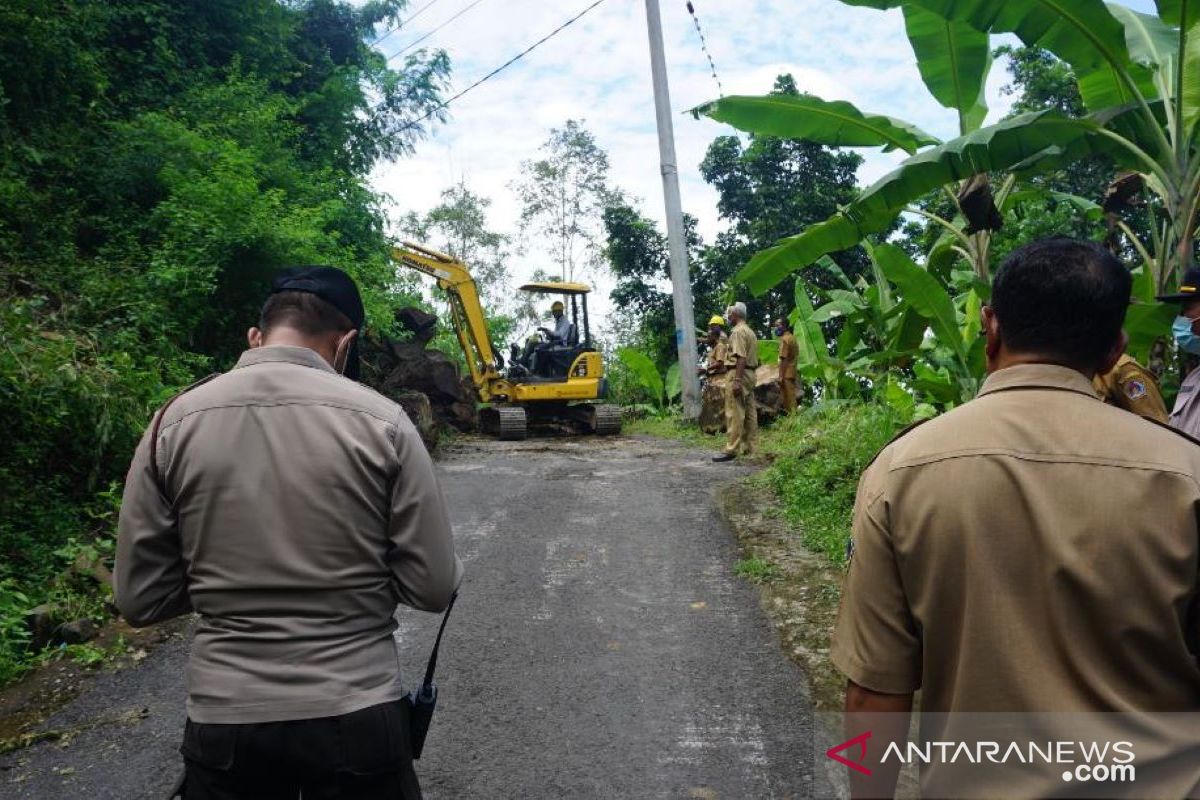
(801, 595)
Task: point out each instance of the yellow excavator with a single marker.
(550, 381)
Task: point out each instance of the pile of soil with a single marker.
(426, 382)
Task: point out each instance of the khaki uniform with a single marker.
(788, 352)
(741, 416)
(718, 357)
(1130, 386)
(292, 510)
(1005, 558)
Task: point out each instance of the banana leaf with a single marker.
(953, 59)
(1190, 93)
(674, 385)
(834, 123)
(923, 292)
(996, 148)
(1180, 13)
(1145, 322)
(1150, 41)
(810, 341)
(644, 372)
(1084, 33)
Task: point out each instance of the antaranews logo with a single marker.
(1084, 761)
(860, 742)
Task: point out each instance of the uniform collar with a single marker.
(283, 354)
(1038, 376)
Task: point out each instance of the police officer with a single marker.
(1186, 329)
(718, 347)
(1130, 386)
(741, 416)
(291, 508)
(1006, 558)
(788, 352)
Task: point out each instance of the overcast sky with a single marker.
(598, 70)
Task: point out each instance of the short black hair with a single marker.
(1062, 297)
(303, 311)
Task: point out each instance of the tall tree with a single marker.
(458, 226)
(563, 195)
(770, 188)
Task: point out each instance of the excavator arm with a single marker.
(470, 325)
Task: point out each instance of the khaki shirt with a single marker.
(1005, 557)
(788, 351)
(744, 344)
(296, 509)
(718, 356)
(1130, 386)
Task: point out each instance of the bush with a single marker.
(819, 455)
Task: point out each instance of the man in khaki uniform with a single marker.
(291, 508)
(1006, 557)
(788, 352)
(741, 416)
(1130, 386)
(718, 344)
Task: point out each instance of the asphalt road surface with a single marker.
(601, 648)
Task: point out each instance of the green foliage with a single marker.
(756, 570)
(644, 373)
(158, 162)
(819, 455)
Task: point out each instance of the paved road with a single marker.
(601, 648)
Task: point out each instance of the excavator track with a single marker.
(606, 420)
(511, 423)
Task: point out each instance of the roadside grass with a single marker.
(816, 458)
(814, 461)
(756, 570)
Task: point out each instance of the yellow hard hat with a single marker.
(717, 320)
(558, 306)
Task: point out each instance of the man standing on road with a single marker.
(1186, 329)
(788, 351)
(741, 417)
(292, 509)
(1006, 558)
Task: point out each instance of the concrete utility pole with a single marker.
(681, 282)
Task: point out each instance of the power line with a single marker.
(411, 45)
(503, 66)
(400, 25)
(704, 46)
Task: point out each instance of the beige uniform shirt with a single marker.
(788, 351)
(1130, 386)
(1008, 557)
(743, 343)
(296, 509)
(718, 356)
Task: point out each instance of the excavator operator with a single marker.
(562, 326)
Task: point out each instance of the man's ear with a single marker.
(254, 338)
(342, 351)
(991, 329)
(1114, 354)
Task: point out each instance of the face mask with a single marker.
(779, 331)
(1188, 342)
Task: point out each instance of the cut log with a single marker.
(767, 395)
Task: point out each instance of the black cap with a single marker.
(1189, 288)
(334, 287)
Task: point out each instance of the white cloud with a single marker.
(598, 69)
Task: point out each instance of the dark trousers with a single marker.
(359, 756)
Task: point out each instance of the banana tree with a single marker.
(1139, 77)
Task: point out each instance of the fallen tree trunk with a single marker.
(768, 398)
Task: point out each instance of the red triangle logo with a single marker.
(835, 752)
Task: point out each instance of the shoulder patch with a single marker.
(1176, 431)
(1135, 389)
(903, 432)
